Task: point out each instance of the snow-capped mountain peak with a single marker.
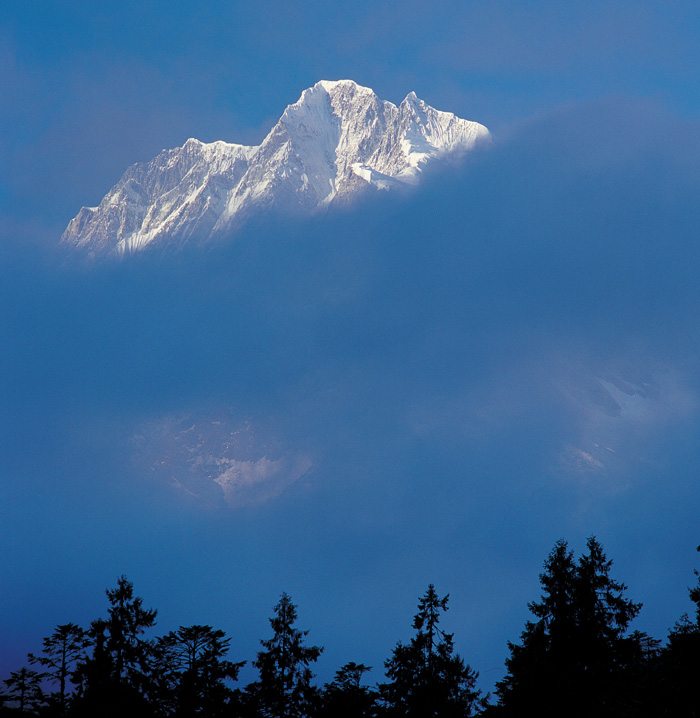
(337, 141)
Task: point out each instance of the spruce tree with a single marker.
(116, 679)
(574, 658)
(680, 662)
(539, 667)
(603, 617)
(346, 697)
(284, 689)
(426, 677)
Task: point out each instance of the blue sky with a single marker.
(508, 358)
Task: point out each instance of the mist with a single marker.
(432, 387)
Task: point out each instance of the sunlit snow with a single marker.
(336, 142)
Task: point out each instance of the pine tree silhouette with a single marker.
(116, 679)
(426, 677)
(573, 658)
(60, 653)
(284, 689)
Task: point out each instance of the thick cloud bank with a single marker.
(432, 388)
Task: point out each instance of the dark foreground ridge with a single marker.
(576, 657)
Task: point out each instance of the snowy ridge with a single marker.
(336, 142)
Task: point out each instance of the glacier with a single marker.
(337, 142)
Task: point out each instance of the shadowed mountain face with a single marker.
(337, 142)
(213, 460)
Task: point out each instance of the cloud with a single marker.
(550, 278)
(457, 365)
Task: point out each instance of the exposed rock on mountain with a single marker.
(336, 142)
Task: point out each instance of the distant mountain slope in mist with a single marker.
(338, 141)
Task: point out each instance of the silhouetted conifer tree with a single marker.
(680, 663)
(116, 679)
(24, 688)
(607, 654)
(192, 672)
(60, 653)
(539, 668)
(574, 658)
(345, 697)
(638, 691)
(284, 689)
(426, 677)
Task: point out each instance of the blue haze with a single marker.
(451, 361)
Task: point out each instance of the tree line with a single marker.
(576, 657)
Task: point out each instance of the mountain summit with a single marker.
(336, 142)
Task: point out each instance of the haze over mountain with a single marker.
(337, 142)
(434, 385)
